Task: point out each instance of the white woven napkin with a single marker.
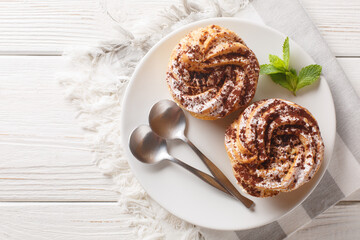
(96, 78)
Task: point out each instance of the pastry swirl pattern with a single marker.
(274, 146)
(212, 73)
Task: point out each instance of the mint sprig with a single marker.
(280, 72)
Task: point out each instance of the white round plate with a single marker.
(182, 193)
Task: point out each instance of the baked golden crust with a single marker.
(274, 146)
(212, 73)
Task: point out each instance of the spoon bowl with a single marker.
(167, 120)
(146, 146)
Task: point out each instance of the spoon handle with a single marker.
(220, 176)
(203, 176)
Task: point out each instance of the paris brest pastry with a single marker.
(212, 73)
(274, 146)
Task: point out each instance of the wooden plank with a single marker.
(61, 221)
(104, 221)
(43, 153)
(338, 22)
(43, 27)
(47, 27)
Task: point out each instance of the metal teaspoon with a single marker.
(150, 148)
(168, 121)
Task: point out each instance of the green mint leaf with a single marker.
(281, 74)
(308, 75)
(286, 53)
(269, 69)
(277, 62)
(280, 78)
(292, 79)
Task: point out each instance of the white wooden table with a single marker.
(49, 187)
